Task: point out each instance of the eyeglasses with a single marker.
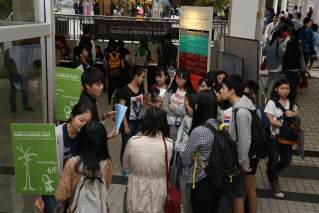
(201, 86)
(142, 76)
(180, 79)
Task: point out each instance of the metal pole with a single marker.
(74, 28)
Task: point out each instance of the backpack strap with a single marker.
(278, 104)
(153, 88)
(210, 127)
(117, 56)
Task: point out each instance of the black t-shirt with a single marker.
(154, 93)
(134, 103)
(92, 101)
(69, 143)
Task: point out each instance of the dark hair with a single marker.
(287, 23)
(306, 21)
(309, 15)
(252, 86)
(250, 97)
(282, 12)
(78, 50)
(91, 76)
(274, 93)
(91, 148)
(182, 73)
(137, 71)
(210, 75)
(172, 63)
(314, 27)
(290, 16)
(168, 37)
(293, 48)
(272, 10)
(97, 4)
(224, 104)
(274, 36)
(144, 44)
(189, 95)
(208, 81)
(299, 15)
(86, 30)
(160, 71)
(276, 15)
(221, 72)
(151, 128)
(234, 82)
(284, 28)
(100, 51)
(282, 19)
(295, 33)
(149, 6)
(206, 107)
(114, 46)
(296, 7)
(120, 43)
(80, 108)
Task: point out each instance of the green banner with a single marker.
(35, 158)
(68, 90)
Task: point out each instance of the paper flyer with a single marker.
(162, 92)
(35, 158)
(121, 110)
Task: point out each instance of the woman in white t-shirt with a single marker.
(225, 109)
(282, 92)
(174, 98)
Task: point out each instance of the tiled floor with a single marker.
(302, 194)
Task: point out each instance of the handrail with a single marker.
(9, 16)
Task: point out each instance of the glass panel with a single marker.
(20, 102)
(21, 12)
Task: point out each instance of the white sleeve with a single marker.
(227, 116)
(270, 107)
(267, 31)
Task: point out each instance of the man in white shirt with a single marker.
(270, 28)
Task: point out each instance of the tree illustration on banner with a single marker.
(26, 156)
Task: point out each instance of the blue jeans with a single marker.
(49, 202)
(15, 81)
(292, 77)
(125, 137)
(272, 76)
(277, 149)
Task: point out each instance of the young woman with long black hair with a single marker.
(67, 137)
(282, 92)
(204, 197)
(205, 83)
(173, 103)
(273, 51)
(132, 96)
(92, 149)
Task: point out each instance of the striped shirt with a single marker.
(201, 140)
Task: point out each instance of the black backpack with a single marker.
(259, 137)
(223, 170)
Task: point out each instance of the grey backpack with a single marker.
(91, 197)
(142, 57)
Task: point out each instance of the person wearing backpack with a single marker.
(144, 157)
(225, 110)
(114, 62)
(204, 196)
(127, 59)
(160, 50)
(143, 58)
(282, 94)
(273, 51)
(88, 173)
(89, 45)
(174, 99)
(133, 97)
(162, 80)
(67, 136)
(239, 130)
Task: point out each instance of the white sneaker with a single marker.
(276, 189)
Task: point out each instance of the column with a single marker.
(274, 5)
(284, 5)
(298, 3)
(260, 22)
(305, 9)
(316, 9)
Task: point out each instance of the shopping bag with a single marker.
(301, 144)
(302, 80)
(263, 66)
(173, 173)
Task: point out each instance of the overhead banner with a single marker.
(35, 158)
(195, 40)
(68, 91)
(150, 31)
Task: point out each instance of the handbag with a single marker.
(302, 63)
(263, 66)
(302, 80)
(173, 199)
(173, 174)
(311, 49)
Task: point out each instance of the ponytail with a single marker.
(274, 36)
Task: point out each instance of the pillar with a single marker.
(298, 4)
(316, 9)
(284, 5)
(305, 9)
(274, 5)
(260, 22)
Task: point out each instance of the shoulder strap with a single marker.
(117, 56)
(111, 56)
(166, 164)
(278, 104)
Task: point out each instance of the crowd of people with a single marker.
(291, 46)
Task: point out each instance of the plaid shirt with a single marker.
(201, 140)
(309, 36)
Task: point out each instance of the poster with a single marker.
(35, 158)
(68, 91)
(195, 40)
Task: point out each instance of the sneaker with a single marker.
(14, 110)
(276, 189)
(29, 109)
(126, 174)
